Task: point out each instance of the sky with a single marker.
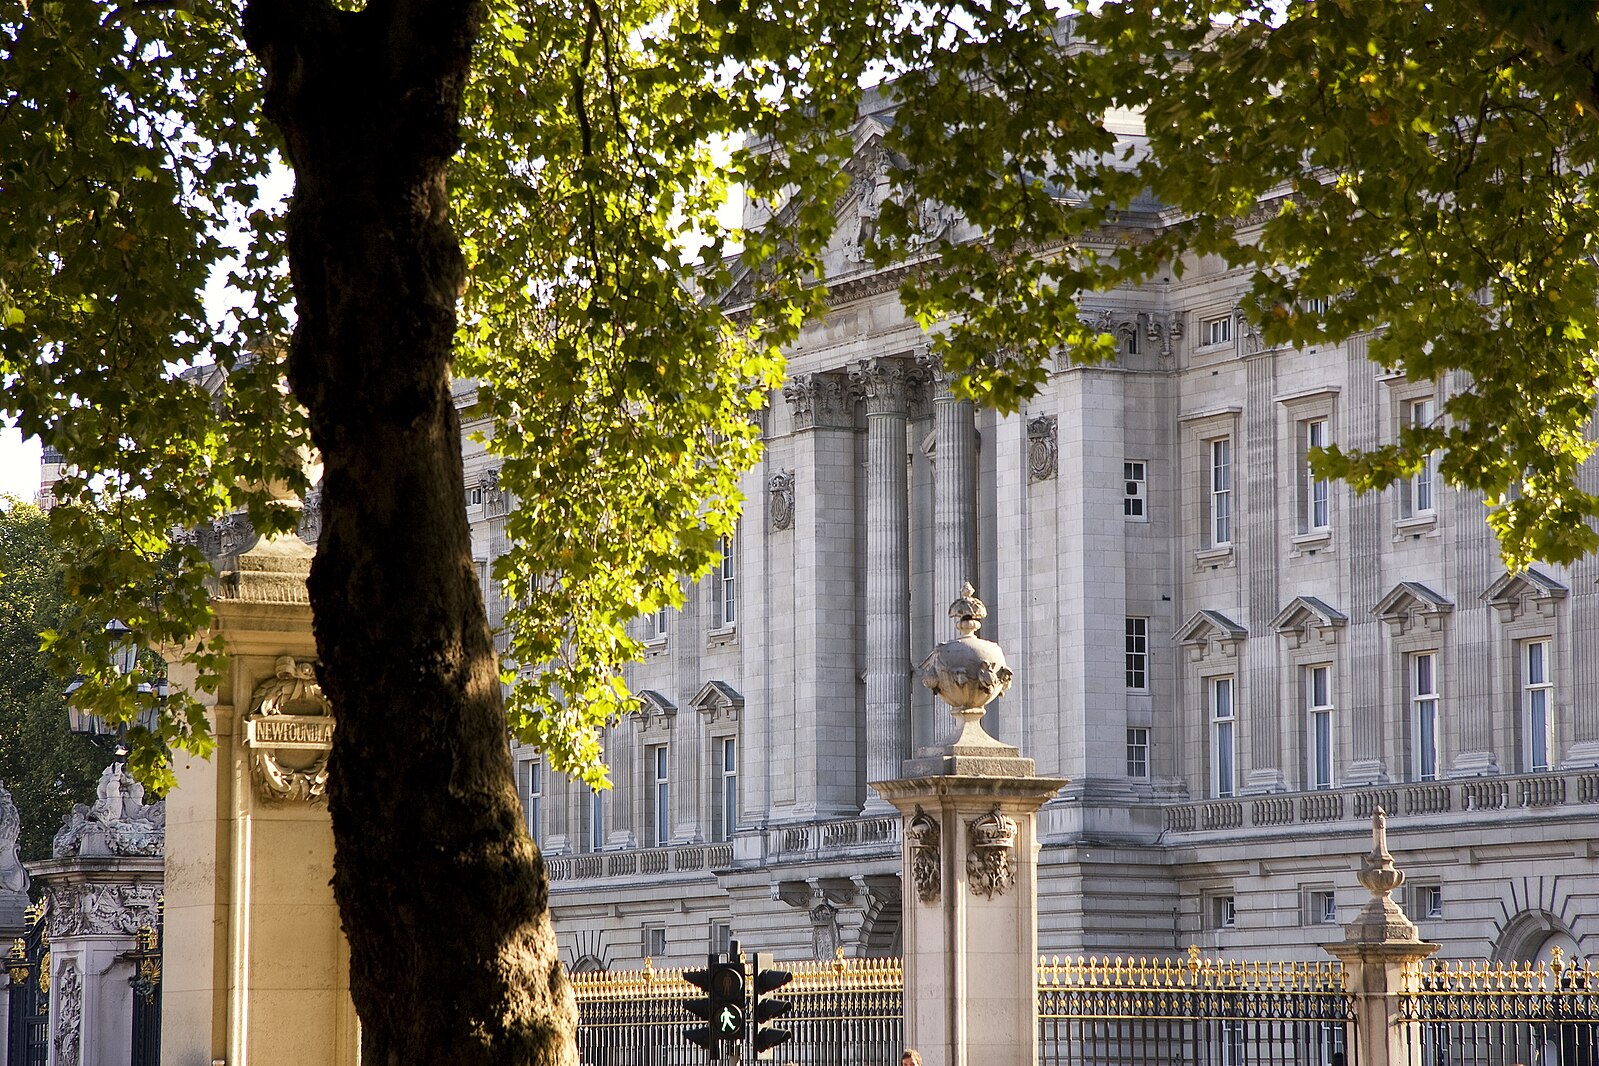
(19, 464)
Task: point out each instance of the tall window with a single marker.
(1138, 752)
(1138, 654)
(728, 814)
(530, 782)
(1420, 489)
(1424, 713)
(655, 624)
(1222, 723)
(725, 586)
(1317, 506)
(596, 820)
(1319, 727)
(661, 796)
(1221, 491)
(1537, 700)
(1135, 494)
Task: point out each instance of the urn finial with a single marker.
(968, 673)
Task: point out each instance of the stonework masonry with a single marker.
(1231, 664)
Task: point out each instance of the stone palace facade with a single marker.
(1232, 662)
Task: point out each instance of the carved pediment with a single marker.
(1525, 594)
(1410, 603)
(655, 710)
(718, 699)
(1210, 632)
(1307, 619)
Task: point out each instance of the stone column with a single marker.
(970, 871)
(256, 969)
(954, 489)
(885, 384)
(101, 887)
(1380, 952)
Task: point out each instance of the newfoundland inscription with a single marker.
(289, 732)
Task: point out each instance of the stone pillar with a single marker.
(101, 887)
(885, 385)
(13, 890)
(970, 871)
(256, 970)
(954, 490)
(1380, 953)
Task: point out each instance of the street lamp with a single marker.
(124, 660)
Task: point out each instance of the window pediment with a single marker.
(1308, 619)
(655, 710)
(1525, 594)
(1208, 632)
(1409, 604)
(718, 699)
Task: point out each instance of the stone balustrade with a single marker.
(1415, 800)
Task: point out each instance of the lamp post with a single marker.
(124, 660)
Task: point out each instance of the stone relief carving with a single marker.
(988, 865)
(119, 822)
(824, 929)
(1042, 449)
(887, 385)
(923, 836)
(13, 878)
(290, 733)
(1249, 339)
(309, 528)
(69, 1016)
(782, 500)
(103, 909)
(228, 535)
(1164, 328)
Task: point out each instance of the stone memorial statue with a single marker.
(119, 822)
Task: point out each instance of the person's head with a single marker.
(910, 1058)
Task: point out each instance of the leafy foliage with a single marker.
(42, 764)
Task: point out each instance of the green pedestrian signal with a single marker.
(722, 1006)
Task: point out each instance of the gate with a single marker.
(146, 958)
(28, 1042)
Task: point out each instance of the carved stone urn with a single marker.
(968, 673)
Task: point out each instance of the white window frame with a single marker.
(655, 625)
(660, 768)
(1216, 330)
(530, 784)
(1420, 490)
(1315, 433)
(1219, 486)
(1320, 738)
(1138, 752)
(596, 835)
(724, 586)
(1223, 912)
(1537, 704)
(1222, 714)
(727, 780)
(1135, 490)
(1422, 670)
(1321, 905)
(655, 943)
(1136, 654)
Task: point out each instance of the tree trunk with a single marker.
(441, 892)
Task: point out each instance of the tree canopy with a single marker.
(45, 768)
(526, 193)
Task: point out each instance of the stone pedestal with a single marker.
(256, 970)
(970, 869)
(970, 878)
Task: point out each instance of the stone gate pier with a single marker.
(970, 869)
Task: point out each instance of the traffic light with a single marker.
(722, 1006)
(768, 1006)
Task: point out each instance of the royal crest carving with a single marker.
(69, 1016)
(119, 822)
(289, 732)
(988, 862)
(781, 487)
(923, 837)
(1042, 449)
(94, 909)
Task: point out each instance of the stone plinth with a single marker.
(970, 878)
(256, 971)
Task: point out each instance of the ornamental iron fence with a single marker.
(28, 965)
(1206, 1011)
(1502, 1014)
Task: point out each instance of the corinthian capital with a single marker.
(823, 399)
(887, 384)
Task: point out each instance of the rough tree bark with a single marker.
(441, 892)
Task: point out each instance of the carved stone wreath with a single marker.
(923, 835)
(782, 500)
(290, 733)
(1042, 450)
